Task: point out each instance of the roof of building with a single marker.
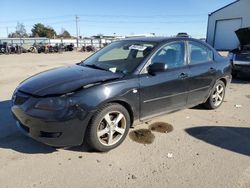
(223, 7)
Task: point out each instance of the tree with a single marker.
(20, 31)
(40, 30)
(64, 34)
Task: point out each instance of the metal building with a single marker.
(223, 23)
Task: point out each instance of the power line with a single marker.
(109, 16)
(51, 23)
(34, 19)
(143, 16)
(140, 22)
(114, 22)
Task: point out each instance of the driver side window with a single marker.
(171, 54)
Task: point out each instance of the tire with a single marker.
(217, 96)
(104, 123)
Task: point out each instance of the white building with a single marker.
(223, 23)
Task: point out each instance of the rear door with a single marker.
(202, 72)
(165, 91)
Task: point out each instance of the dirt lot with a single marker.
(204, 149)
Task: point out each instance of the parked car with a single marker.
(88, 48)
(123, 84)
(5, 48)
(240, 57)
(69, 47)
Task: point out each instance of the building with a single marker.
(223, 23)
(140, 35)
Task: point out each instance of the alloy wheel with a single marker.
(111, 128)
(218, 95)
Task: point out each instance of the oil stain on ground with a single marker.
(161, 127)
(248, 96)
(142, 136)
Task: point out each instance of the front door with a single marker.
(165, 91)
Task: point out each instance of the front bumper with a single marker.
(242, 69)
(57, 134)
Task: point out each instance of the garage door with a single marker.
(225, 38)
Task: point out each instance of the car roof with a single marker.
(165, 40)
(147, 39)
(157, 39)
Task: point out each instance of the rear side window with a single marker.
(198, 53)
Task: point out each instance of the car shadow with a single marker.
(198, 107)
(12, 138)
(235, 139)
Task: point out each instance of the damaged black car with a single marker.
(240, 57)
(123, 84)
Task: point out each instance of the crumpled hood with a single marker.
(64, 79)
(243, 35)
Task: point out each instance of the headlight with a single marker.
(53, 104)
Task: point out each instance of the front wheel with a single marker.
(217, 96)
(108, 128)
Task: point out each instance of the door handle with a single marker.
(183, 75)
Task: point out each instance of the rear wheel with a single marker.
(108, 128)
(217, 96)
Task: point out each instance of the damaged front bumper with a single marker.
(53, 133)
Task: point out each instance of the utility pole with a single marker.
(7, 30)
(77, 34)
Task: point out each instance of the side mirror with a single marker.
(157, 67)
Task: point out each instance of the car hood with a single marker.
(243, 35)
(63, 80)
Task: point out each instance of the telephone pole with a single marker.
(7, 30)
(77, 34)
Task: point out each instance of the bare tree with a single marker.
(20, 31)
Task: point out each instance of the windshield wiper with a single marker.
(100, 68)
(95, 67)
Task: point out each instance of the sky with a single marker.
(109, 17)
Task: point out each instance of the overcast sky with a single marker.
(123, 17)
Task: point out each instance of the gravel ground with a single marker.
(192, 148)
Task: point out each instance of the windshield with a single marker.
(121, 56)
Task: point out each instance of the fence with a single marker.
(97, 43)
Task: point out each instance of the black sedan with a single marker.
(121, 85)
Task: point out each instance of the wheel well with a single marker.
(224, 81)
(128, 108)
(124, 104)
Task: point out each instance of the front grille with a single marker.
(50, 134)
(20, 98)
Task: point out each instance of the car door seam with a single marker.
(186, 92)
